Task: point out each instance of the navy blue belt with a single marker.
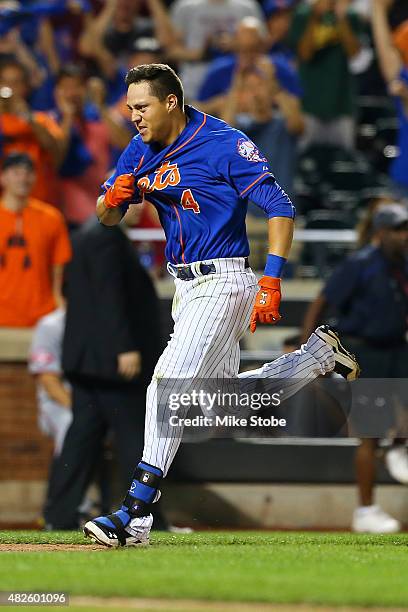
(186, 273)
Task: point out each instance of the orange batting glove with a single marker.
(122, 189)
(267, 301)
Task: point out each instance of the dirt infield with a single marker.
(193, 605)
(50, 547)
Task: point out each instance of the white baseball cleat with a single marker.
(109, 531)
(346, 363)
(371, 519)
(396, 460)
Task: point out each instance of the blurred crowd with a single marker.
(321, 86)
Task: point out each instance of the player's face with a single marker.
(151, 116)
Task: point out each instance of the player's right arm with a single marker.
(105, 215)
(109, 206)
(120, 189)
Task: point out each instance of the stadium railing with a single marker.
(301, 235)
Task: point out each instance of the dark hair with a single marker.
(16, 158)
(161, 78)
(72, 71)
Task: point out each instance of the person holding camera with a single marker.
(34, 133)
(325, 36)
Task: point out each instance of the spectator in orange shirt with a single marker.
(35, 133)
(34, 247)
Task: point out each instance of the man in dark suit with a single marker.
(111, 344)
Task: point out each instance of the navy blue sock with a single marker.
(141, 494)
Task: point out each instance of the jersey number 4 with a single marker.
(188, 202)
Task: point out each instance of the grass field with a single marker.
(310, 568)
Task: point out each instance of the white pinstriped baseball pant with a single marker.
(211, 313)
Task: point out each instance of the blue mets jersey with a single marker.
(200, 186)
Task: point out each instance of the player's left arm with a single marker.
(280, 210)
(247, 170)
(280, 231)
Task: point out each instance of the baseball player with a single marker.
(199, 173)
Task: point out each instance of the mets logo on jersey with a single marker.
(248, 151)
(168, 174)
